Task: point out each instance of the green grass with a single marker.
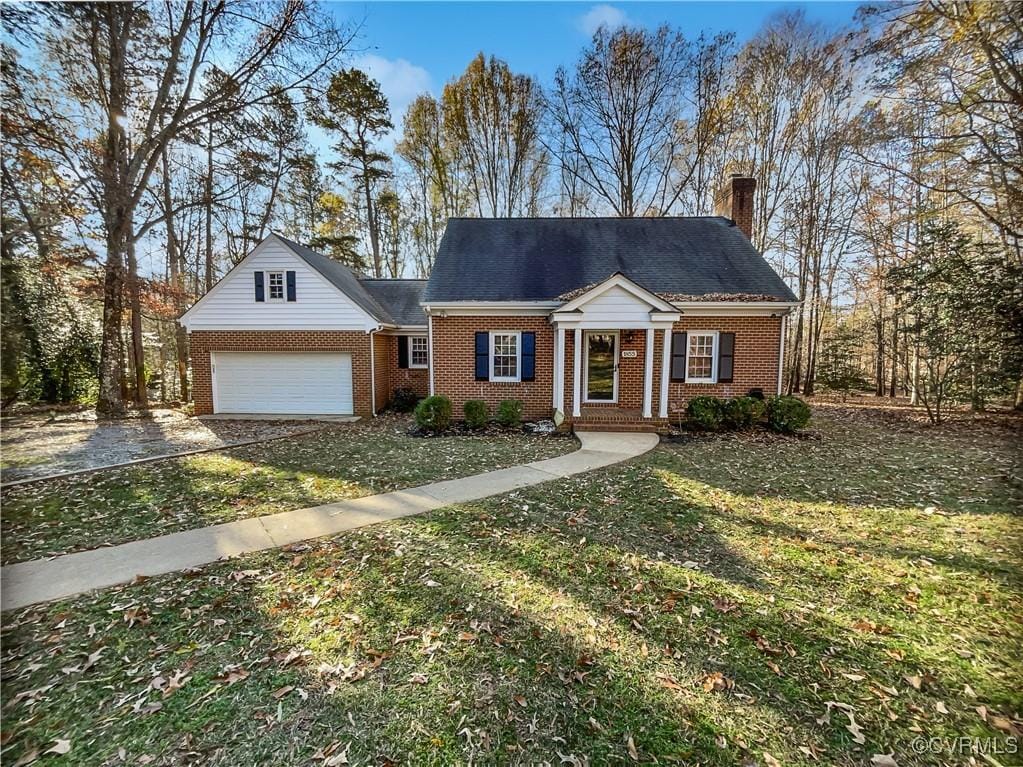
(579, 622)
(119, 505)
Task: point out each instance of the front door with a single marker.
(601, 367)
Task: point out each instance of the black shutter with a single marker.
(678, 356)
(290, 276)
(482, 356)
(528, 356)
(726, 357)
(403, 351)
(260, 296)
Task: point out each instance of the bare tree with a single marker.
(616, 113)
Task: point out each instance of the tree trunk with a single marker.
(893, 380)
(176, 266)
(374, 239)
(879, 362)
(116, 210)
(135, 303)
(797, 356)
(208, 205)
(1018, 405)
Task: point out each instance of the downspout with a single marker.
(372, 373)
(429, 344)
(781, 351)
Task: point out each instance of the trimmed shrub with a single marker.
(787, 414)
(706, 413)
(404, 400)
(476, 413)
(434, 413)
(509, 412)
(742, 412)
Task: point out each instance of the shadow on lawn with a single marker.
(861, 464)
(485, 633)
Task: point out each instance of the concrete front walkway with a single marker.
(43, 580)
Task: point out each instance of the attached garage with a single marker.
(287, 383)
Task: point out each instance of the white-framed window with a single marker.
(275, 286)
(418, 352)
(701, 357)
(505, 356)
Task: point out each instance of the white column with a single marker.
(665, 372)
(577, 369)
(648, 372)
(559, 369)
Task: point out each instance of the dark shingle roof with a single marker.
(400, 297)
(539, 259)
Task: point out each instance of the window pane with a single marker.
(419, 348)
(701, 356)
(276, 280)
(506, 360)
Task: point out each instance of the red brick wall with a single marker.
(205, 341)
(416, 379)
(454, 364)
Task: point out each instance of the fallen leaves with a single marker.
(716, 682)
(61, 747)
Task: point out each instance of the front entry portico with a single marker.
(613, 328)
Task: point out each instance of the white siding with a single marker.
(232, 305)
(306, 383)
(616, 305)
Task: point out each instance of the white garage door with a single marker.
(308, 383)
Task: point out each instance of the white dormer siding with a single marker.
(318, 305)
(617, 307)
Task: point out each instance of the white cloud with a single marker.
(400, 81)
(602, 15)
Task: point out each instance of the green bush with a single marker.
(404, 400)
(706, 413)
(434, 413)
(742, 412)
(787, 414)
(509, 412)
(476, 413)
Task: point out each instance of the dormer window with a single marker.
(275, 282)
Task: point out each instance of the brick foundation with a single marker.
(203, 342)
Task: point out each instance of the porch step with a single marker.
(643, 428)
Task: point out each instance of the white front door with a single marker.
(600, 367)
(286, 383)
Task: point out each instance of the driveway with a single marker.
(40, 445)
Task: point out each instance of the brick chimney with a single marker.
(735, 201)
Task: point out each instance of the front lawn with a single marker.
(726, 600)
(339, 463)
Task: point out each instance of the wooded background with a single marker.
(888, 159)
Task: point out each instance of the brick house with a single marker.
(598, 322)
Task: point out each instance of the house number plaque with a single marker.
(628, 354)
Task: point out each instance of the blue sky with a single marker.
(414, 47)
